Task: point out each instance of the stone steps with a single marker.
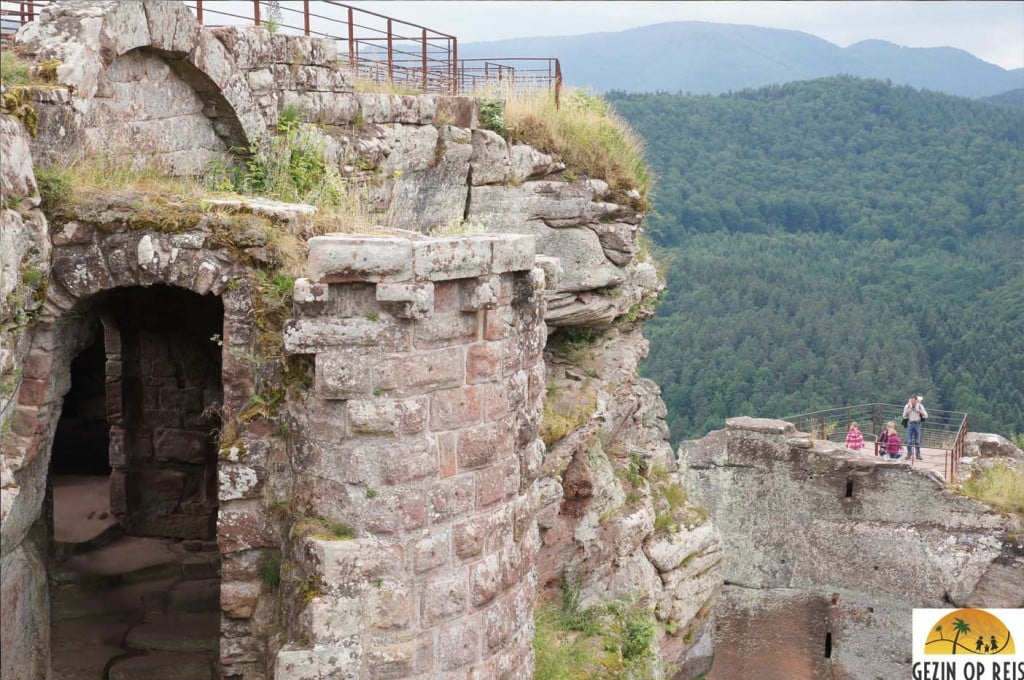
(86, 663)
(136, 609)
(176, 633)
(65, 550)
(186, 596)
(163, 667)
(75, 602)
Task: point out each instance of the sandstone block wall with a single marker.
(838, 544)
(163, 390)
(420, 436)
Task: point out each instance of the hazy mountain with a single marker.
(709, 58)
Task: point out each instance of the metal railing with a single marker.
(376, 47)
(944, 430)
(13, 14)
(389, 51)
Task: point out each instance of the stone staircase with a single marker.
(133, 608)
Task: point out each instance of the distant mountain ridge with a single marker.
(708, 58)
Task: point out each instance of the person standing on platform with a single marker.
(914, 415)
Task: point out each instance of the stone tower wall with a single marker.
(420, 437)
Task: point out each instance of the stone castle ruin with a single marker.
(214, 471)
(378, 468)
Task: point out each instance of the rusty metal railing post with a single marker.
(351, 41)
(455, 65)
(424, 59)
(391, 54)
(199, 11)
(305, 15)
(256, 12)
(558, 82)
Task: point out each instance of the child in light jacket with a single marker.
(854, 438)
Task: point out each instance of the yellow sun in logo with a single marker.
(969, 631)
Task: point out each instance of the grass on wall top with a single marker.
(585, 133)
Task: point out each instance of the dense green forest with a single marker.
(832, 242)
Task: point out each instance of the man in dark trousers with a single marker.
(913, 415)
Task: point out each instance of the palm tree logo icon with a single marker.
(993, 637)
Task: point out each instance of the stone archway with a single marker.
(145, 74)
(210, 509)
(133, 565)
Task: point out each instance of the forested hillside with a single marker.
(835, 242)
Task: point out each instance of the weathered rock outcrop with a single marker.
(983, 445)
(24, 267)
(835, 546)
(614, 514)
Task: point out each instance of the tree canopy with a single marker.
(836, 241)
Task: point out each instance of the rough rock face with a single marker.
(614, 515)
(24, 266)
(983, 445)
(836, 544)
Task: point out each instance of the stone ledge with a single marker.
(761, 425)
(343, 258)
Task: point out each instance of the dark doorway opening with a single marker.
(134, 572)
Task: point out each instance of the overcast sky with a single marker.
(993, 31)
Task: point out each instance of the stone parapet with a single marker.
(421, 439)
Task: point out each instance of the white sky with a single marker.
(993, 31)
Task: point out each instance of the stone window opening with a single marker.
(828, 645)
(134, 565)
(849, 488)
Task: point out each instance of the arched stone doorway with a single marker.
(134, 566)
(216, 510)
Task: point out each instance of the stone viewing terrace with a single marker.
(942, 436)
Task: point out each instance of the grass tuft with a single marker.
(585, 133)
(13, 71)
(563, 415)
(613, 640)
(270, 569)
(998, 484)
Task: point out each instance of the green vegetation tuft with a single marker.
(572, 342)
(287, 166)
(13, 70)
(563, 414)
(270, 568)
(616, 640)
(998, 484)
(323, 528)
(585, 133)
(492, 116)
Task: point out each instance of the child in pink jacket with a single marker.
(854, 438)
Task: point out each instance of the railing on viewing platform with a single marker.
(386, 50)
(944, 430)
(378, 48)
(15, 13)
